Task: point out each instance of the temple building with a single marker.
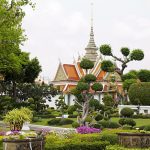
(68, 75)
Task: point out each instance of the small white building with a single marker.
(142, 109)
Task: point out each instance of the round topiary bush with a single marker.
(98, 126)
(147, 128)
(75, 125)
(127, 112)
(139, 93)
(99, 117)
(127, 121)
(108, 124)
(130, 122)
(122, 121)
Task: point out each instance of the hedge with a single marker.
(78, 146)
(76, 142)
(139, 93)
(60, 121)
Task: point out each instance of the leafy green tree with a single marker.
(34, 96)
(127, 83)
(130, 75)
(144, 75)
(128, 56)
(15, 65)
(6, 104)
(60, 104)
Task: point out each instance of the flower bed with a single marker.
(87, 130)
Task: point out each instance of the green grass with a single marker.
(139, 122)
(44, 123)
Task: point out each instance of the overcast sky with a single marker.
(59, 29)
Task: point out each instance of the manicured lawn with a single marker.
(44, 123)
(139, 122)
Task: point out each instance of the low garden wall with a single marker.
(138, 140)
(24, 144)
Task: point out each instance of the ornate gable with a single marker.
(60, 75)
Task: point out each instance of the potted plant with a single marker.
(17, 117)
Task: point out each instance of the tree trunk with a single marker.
(85, 112)
(14, 95)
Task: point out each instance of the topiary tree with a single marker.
(127, 83)
(83, 91)
(86, 64)
(130, 75)
(71, 109)
(127, 112)
(144, 75)
(108, 100)
(60, 104)
(139, 93)
(127, 121)
(128, 56)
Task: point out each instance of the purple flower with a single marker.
(86, 130)
(2, 133)
(43, 132)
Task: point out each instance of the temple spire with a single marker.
(91, 49)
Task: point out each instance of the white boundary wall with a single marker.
(142, 109)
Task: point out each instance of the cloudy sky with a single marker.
(59, 29)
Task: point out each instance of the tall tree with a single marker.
(15, 65)
(83, 91)
(128, 56)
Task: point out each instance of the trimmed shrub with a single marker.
(75, 145)
(98, 126)
(36, 119)
(99, 117)
(54, 121)
(65, 121)
(147, 128)
(88, 119)
(122, 121)
(130, 122)
(127, 121)
(75, 125)
(111, 138)
(71, 109)
(127, 112)
(72, 116)
(108, 124)
(114, 125)
(46, 116)
(139, 93)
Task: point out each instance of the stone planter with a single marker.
(24, 144)
(134, 140)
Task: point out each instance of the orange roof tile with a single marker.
(71, 72)
(101, 75)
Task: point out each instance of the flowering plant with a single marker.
(86, 130)
(2, 133)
